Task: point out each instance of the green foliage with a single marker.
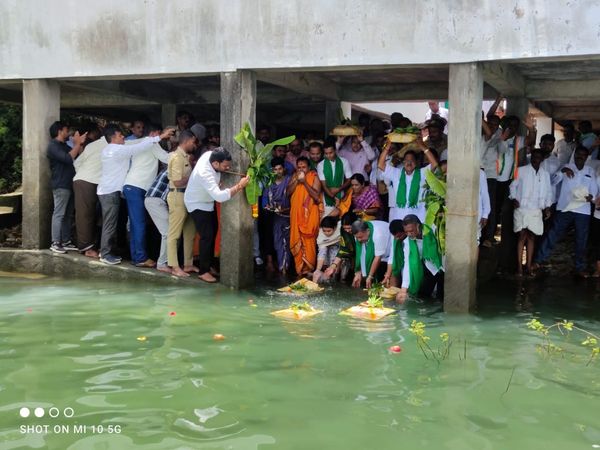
(443, 349)
(259, 171)
(302, 307)
(10, 147)
(565, 328)
(435, 204)
(409, 130)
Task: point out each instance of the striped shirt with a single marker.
(160, 186)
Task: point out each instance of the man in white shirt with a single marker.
(372, 246)
(334, 174)
(142, 171)
(578, 187)
(434, 108)
(88, 170)
(203, 189)
(565, 147)
(115, 163)
(532, 197)
(357, 152)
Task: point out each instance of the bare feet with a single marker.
(207, 278)
(165, 269)
(191, 269)
(91, 253)
(178, 272)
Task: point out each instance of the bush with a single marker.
(11, 162)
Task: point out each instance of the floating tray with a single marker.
(308, 287)
(296, 314)
(368, 313)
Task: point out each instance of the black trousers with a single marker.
(206, 225)
(487, 234)
(430, 281)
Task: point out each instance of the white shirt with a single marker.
(88, 165)
(489, 153)
(585, 177)
(484, 197)
(203, 189)
(442, 112)
(563, 150)
(532, 189)
(345, 164)
(392, 175)
(381, 242)
(144, 166)
(506, 157)
(358, 160)
(115, 164)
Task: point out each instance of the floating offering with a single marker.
(218, 337)
(297, 311)
(395, 349)
(372, 309)
(302, 287)
(388, 293)
(142, 338)
(172, 313)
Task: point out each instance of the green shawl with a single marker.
(398, 252)
(413, 194)
(415, 260)
(370, 251)
(333, 180)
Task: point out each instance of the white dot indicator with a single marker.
(39, 412)
(24, 412)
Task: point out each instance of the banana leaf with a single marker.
(432, 212)
(266, 150)
(435, 184)
(253, 191)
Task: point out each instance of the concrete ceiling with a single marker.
(565, 90)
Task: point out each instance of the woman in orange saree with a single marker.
(304, 191)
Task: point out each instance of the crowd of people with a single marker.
(340, 208)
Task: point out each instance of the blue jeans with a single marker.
(134, 196)
(62, 216)
(562, 222)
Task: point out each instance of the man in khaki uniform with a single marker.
(179, 171)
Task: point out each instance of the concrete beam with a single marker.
(563, 90)
(546, 108)
(505, 79)
(587, 112)
(303, 83)
(41, 107)
(238, 105)
(464, 135)
(393, 92)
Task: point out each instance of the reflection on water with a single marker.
(327, 382)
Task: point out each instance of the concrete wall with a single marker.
(72, 38)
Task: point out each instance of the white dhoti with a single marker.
(530, 219)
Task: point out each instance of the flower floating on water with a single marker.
(218, 337)
(395, 349)
(142, 338)
(172, 313)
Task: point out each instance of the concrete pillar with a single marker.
(332, 116)
(167, 115)
(238, 105)
(518, 106)
(41, 107)
(464, 135)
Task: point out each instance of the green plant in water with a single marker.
(442, 351)
(435, 204)
(565, 328)
(259, 171)
(374, 295)
(301, 307)
(298, 287)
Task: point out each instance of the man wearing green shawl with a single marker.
(423, 267)
(334, 174)
(395, 261)
(372, 244)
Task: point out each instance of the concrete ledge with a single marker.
(74, 265)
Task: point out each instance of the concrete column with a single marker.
(518, 106)
(167, 116)
(238, 105)
(41, 107)
(464, 135)
(332, 114)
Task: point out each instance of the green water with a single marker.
(326, 383)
